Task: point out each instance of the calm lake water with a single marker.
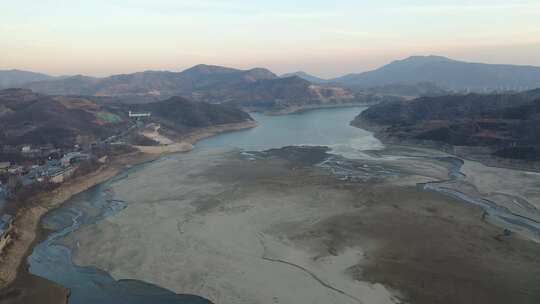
(326, 127)
(52, 260)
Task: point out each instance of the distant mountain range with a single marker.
(256, 87)
(449, 74)
(413, 76)
(152, 83)
(17, 78)
(278, 94)
(441, 72)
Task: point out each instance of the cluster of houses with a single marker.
(31, 165)
(40, 165)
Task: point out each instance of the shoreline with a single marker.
(462, 152)
(27, 220)
(136, 158)
(283, 230)
(503, 200)
(186, 142)
(302, 109)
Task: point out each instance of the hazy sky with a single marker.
(328, 38)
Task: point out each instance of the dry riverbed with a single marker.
(278, 228)
(17, 285)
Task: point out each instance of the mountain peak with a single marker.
(260, 74)
(427, 58)
(448, 73)
(209, 69)
(306, 76)
(420, 60)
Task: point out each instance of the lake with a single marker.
(52, 259)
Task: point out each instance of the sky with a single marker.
(325, 38)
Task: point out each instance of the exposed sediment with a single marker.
(271, 228)
(18, 286)
(506, 190)
(505, 196)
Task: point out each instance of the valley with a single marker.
(270, 152)
(230, 222)
(322, 193)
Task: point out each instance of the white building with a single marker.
(4, 166)
(137, 115)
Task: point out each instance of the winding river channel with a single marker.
(52, 259)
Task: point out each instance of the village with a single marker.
(26, 168)
(36, 165)
(35, 168)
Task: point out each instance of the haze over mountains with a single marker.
(156, 83)
(256, 87)
(16, 78)
(450, 74)
(443, 72)
(413, 76)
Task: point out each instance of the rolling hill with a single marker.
(505, 123)
(63, 121)
(256, 87)
(30, 118)
(152, 83)
(289, 93)
(409, 90)
(182, 115)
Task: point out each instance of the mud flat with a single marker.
(168, 148)
(507, 190)
(296, 225)
(18, 286)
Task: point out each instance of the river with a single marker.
(51, 259)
